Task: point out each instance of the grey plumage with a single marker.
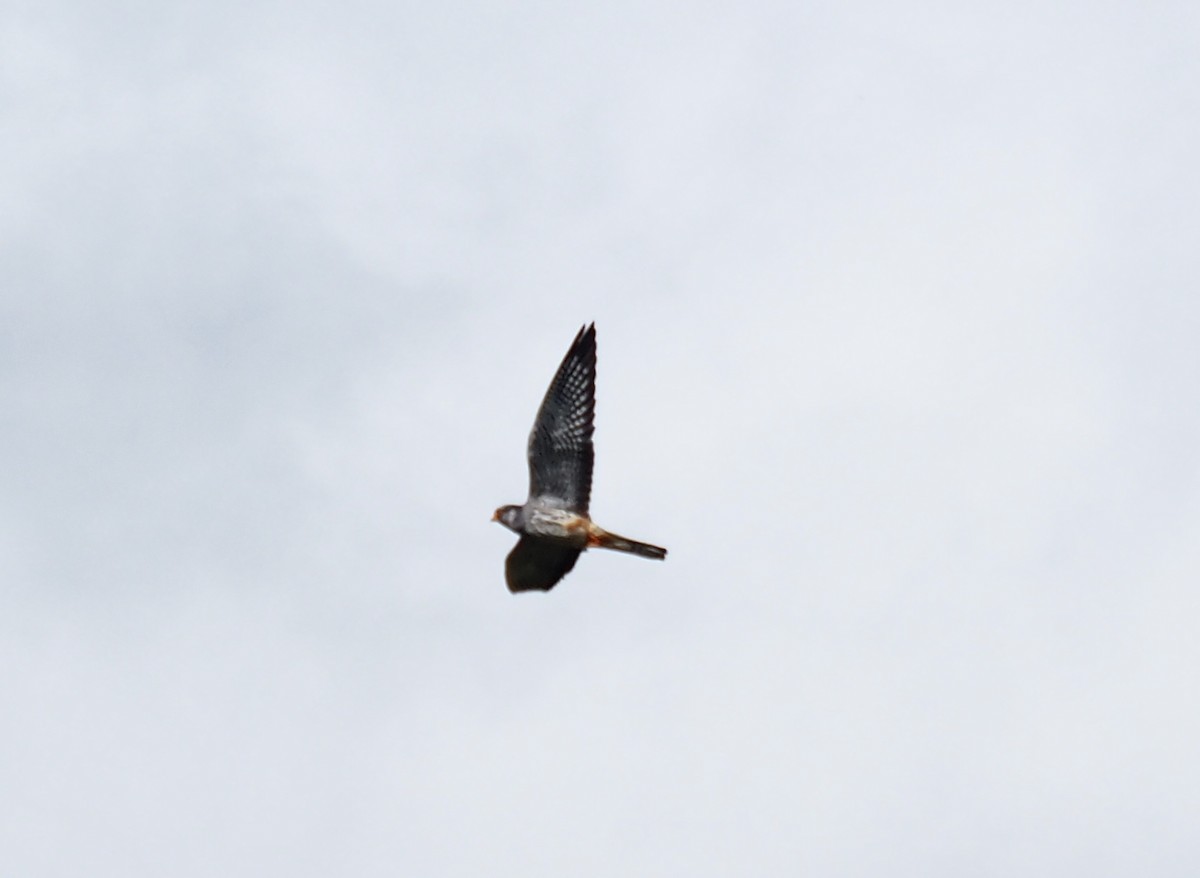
(554, 523)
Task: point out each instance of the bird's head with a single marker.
(509, 516)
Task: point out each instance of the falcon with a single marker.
(554, 523)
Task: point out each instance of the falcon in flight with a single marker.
(554, 523)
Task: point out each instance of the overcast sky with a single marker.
(899, 348)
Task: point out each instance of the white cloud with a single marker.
(896, 348)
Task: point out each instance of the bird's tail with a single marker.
(606, 540)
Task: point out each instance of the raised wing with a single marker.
(560, 444)
(537, 565)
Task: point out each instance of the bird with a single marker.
(553, 523)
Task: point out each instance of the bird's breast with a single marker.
(558, 524)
